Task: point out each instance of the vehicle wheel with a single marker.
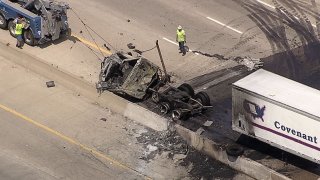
(186, 88)
(203, 98)
(177, 114)
(3, 22)
(165, 107)
(234, 150)
(155, 97)
(28, 37)
(66, 34)
(12, 28)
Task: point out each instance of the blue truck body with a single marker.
(11, 11)
(40, 26)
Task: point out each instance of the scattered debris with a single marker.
(166, 141)
(103, 119)
(50, 84)
(208, 123)
(200, 131)
(178, 157)
(169, 144)
(137, 51)
(218, 56)
(107, 47)
(131, 46)
(250, 63)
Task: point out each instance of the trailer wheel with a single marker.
(186, 88)
(203, 98)
(177, 114)
(155, 97)
(3, 22)
(165, 107)
(12, 28)
(28, 37)
(234, 150)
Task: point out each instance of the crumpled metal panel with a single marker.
(124, 74)
(140, 78)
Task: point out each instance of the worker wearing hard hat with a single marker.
(20, 24)
(181, 39)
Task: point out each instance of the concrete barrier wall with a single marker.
(83, 88)
(217, 151)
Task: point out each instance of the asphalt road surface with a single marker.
(216, 31)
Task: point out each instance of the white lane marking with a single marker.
(266, 4)
(224, 25)
(270, 6)
(170, 41)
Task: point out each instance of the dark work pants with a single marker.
(182, 48)
(19, 41)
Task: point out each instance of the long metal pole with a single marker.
(162, 62)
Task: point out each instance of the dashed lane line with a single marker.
(91, 44)
(172, 42)
(224, 25)
(72, 141)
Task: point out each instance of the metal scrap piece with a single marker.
(50, 84)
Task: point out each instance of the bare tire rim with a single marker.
(164, 108)
(176, 115)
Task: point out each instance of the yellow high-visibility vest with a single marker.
(19, 28)
(181, 34)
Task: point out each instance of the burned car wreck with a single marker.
(124, 74)
(137, 77)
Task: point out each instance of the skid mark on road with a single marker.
(224, 25)
(273, 7)
(92, 45)
(71, 141)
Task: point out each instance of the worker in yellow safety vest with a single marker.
(18, 32)
(181, 39)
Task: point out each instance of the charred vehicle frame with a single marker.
(139, 78)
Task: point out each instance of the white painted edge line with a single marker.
(172, 42)
(224, 25)
(272, 7)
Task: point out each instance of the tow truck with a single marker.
(47, 19)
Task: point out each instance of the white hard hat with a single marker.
(179, 27)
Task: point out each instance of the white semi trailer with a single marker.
(278, 111)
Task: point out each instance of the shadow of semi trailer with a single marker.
(46, 20)
(279, 112)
